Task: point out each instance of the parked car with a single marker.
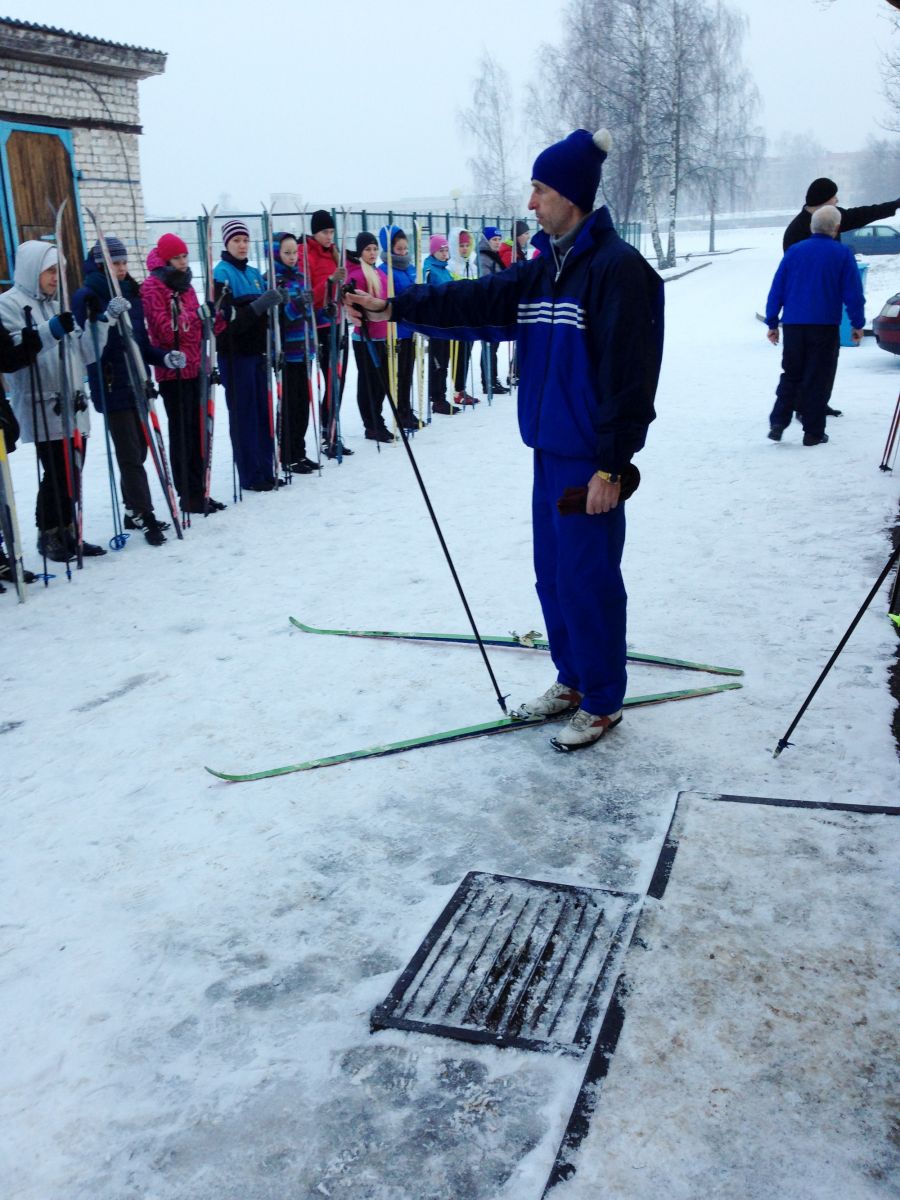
(873, 239)
(886, 326)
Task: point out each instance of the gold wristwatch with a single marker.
(608, 476)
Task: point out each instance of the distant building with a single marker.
(69, 126)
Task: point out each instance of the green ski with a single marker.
(503, 725)
(515, 641)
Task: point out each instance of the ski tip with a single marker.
(221, 775)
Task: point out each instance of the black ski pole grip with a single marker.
(347, 289)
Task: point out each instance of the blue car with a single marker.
(873, 239)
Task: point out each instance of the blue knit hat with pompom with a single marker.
(572, 167)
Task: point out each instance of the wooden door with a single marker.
(40, 175)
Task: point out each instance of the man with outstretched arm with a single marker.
(587, 316)
(824, 191)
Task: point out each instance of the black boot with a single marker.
(150, 527)
(88, 549)
(7, 572)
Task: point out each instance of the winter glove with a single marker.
(31, 340)
(306, 296)
(8, 424)
(116, 307)
(261, 305)
(62, 324)
(175, 360)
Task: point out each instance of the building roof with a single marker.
(48, 44)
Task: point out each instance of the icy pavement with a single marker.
(188, 967)
(762, 1004)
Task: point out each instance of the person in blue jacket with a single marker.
(298, 338)
(241, 349)
(814, 280)
(403, 275)
(96, 310)
(587, 316)
(436, 271)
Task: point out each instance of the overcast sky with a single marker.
(352, 101)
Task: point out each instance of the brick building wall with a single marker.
(54, 78)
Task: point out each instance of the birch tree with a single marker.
(728, 146)
(489, 124)
(580, 86)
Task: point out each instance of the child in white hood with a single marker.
(35, 393)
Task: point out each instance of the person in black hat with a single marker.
(523, 237)
(824, 191)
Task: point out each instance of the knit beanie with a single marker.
(438, 242)
(821, 190)
(490, 231)
(117, 250)
(169, 246)
(572, 167)
(365, 239)
(233, 229)
(322, 220)
(522, 227)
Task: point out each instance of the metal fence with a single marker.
(192, 230)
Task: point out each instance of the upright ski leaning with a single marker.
(142, 389)
(70, 400)
(209, 371)
(9, 524)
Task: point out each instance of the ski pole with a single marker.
(119, 537)
(208, 358)
(37, 402)
(281, 422)
(309, 341)
(890, 446)
(783, 743)
(42, 541)
(501, 699)
(182, 431)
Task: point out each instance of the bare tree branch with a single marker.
(488, 122)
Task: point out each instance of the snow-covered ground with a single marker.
(188, 967)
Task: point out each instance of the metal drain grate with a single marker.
(512, 962)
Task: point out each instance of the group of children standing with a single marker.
(168, 322)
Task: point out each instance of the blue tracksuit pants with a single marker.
(577, 564)
(246, 394)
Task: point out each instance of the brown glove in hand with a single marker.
(574, 499)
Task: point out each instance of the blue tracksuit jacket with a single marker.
(589, 333)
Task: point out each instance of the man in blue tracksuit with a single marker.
(587, 315)
(814, 280)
